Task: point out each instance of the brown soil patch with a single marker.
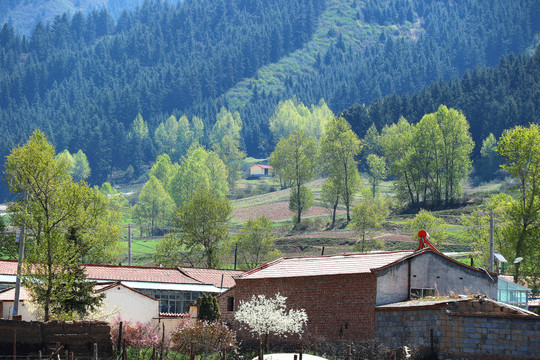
(275, 211)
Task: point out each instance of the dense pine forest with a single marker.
(84, 78)
(492, 99)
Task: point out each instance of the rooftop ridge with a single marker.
(348, 254)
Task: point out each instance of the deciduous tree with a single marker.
(65, 222)
(340, 147)
(198, 168)
(203, 221)
(264, 316)
(155, 206)
(255, 243)
(520, 149)
(367, 215)
(295, 160)
(425, 220)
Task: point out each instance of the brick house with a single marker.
(340, 292)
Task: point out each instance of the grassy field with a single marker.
(264, 196)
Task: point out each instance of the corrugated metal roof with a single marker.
(325, 265)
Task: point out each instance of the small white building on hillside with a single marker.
(259, 170)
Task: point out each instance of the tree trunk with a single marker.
(334, 215)
(299, 204)
(260, 348)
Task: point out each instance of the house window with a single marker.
(422, 293)
(230, 303)
(173, 301)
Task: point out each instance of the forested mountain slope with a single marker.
(84, 79)
(23, 15)
(492, 99)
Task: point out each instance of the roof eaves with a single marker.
(225, 292)
(119, 283)
(425, 250)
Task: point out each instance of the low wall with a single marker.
(461, 330)
(77, 337)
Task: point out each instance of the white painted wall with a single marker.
(8, 311)
(256, 170)
(131, 305)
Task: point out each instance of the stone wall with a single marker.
(77, 337)
(469, 329)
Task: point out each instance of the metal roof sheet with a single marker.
(325, 265)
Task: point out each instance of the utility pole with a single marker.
(491, 226)
(235, 252)
(129, 244)
(20, 239)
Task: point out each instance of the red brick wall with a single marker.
(339, 307)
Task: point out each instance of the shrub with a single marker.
(136, 335)
(209, 310)
(202, 337)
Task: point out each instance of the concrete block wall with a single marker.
(463, 330)
(339, 307)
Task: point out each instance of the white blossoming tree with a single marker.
(264, 316)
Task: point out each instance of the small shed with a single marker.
(258, 170)
(466, 327)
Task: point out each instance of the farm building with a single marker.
(340, 292)
(175, 288)
(258, 170)
(460, 328)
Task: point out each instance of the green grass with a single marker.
(307, 242)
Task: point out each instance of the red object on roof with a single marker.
(423, 240)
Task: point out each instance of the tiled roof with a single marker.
(325, 265)
(213, 276)
(138, 273)
(8, 267)
(193, 276)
